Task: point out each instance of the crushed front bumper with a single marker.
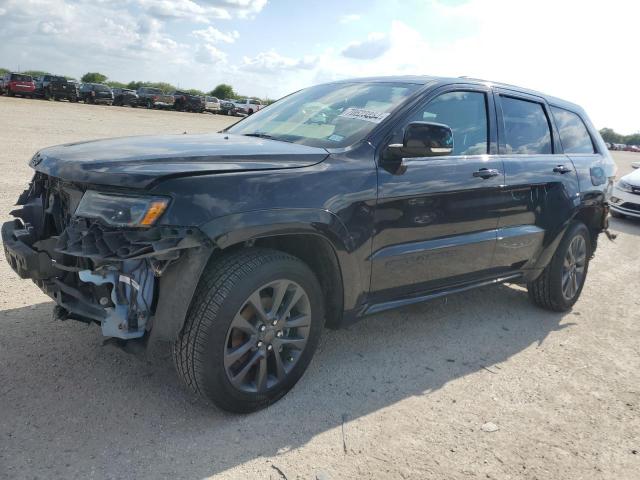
(128, 280)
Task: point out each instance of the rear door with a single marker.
(436, 217)
(541, 187)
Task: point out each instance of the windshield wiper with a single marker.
(267, 136)
(259, 135)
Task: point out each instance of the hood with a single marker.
(632, 178)
(139, 161)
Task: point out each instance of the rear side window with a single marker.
(574, 135)
(526, 128)
(16, 77)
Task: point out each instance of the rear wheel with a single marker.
(560, 284)
(252, 328)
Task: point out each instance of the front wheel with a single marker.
(252, 329)
(559, 286)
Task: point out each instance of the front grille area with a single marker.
(631, 206)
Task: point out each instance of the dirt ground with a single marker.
(480, 385)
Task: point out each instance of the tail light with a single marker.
(154, 98)
(93, 94)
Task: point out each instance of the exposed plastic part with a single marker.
(129, 308)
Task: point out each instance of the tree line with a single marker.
(609, 135)
(221, 91)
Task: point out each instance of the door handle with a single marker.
(486, 173)
(561, 169)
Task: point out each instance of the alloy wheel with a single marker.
(267, 336)
(573, 267)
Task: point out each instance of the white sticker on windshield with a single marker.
(364, 114)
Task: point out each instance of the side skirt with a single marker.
(381, 307)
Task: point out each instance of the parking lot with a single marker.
(478, 385)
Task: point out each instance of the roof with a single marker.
(437, 81)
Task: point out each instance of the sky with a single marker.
(583, 51)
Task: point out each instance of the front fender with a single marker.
(241, 227)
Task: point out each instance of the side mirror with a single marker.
(424, 139)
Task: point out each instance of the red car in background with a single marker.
(17, 84)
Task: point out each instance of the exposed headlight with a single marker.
(624, 186)
(122, 210)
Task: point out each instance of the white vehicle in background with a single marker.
(212, 104)
(248, 106)
(625, 198)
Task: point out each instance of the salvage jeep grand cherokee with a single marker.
(336, 202)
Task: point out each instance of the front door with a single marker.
(436, 217)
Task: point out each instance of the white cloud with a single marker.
(212, 35)
(273, 62)
(374, 46)
(202, 11)
(209, 54)
(350, 18)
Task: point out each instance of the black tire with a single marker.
(149, 104)
(10, 93)
(547, 290)
(224, 289)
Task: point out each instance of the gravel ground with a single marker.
(480, 385)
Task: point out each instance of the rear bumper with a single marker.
(22, 89)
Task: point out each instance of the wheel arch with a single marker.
(317, 237)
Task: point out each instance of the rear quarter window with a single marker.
(574, 135)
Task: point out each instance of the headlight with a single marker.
(624, 186)
(122, 210)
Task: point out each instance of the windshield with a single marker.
(17, 77)
(102, 88)
(329, 116)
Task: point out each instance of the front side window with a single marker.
(574, 135)
(466, 114)
(526, 128)
(330, 116)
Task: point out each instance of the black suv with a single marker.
(95, 93)
(187, 102)
(125, 96)
(334, 203)
(55, 87)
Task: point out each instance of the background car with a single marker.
(96, 93)
(212, 104)
(625, 198)
(125, 96)
(248, 106)
(228, 107)
(151, 97)
(185, 101)
(55, 87)
(17, 84)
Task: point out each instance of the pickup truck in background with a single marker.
(17, 84)
(248, 106)
(154, 98)
(186, 102)
(56, 87)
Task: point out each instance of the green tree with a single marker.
(93, 77)
(608, 135)
(3, 71)
(195, 91)
(223, 91)
(114, 84)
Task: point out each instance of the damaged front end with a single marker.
(100, 256)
